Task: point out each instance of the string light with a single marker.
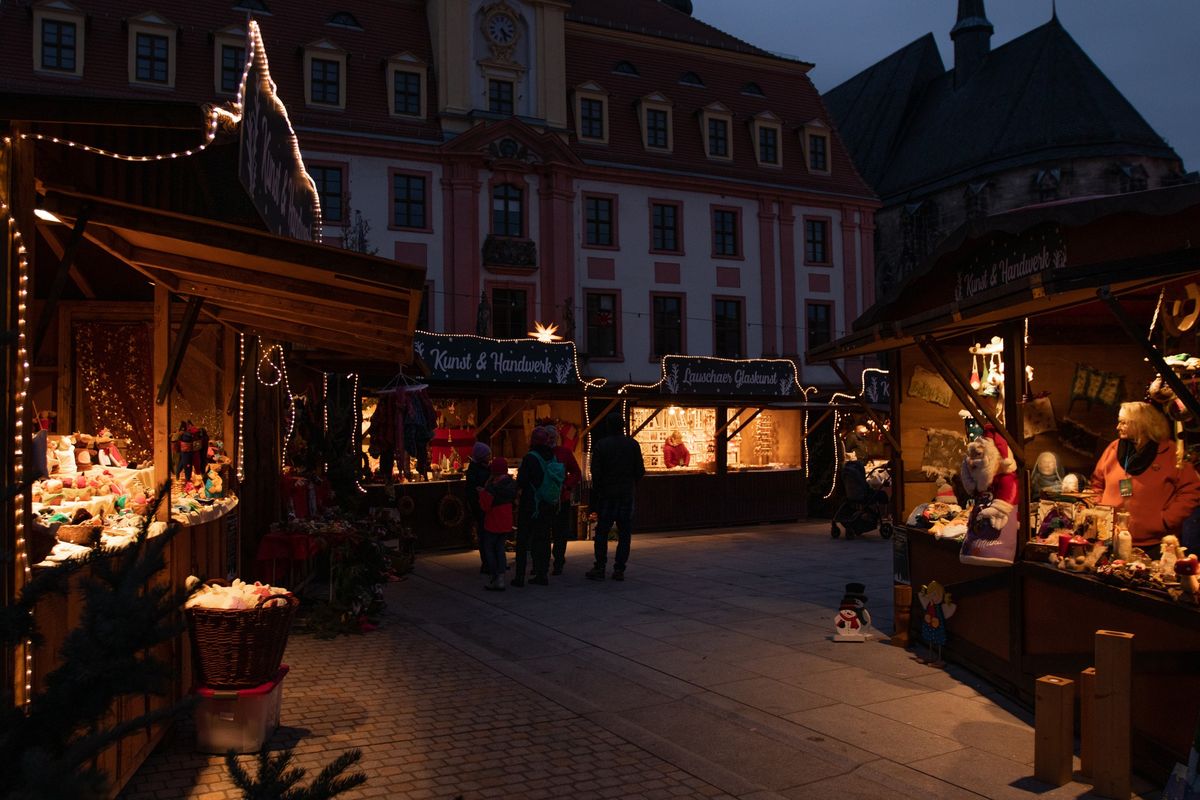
(325, 411)
(215, 115)
(838, 446)
(281, 374)
(356, 434)
(241, 462)
(21, 395)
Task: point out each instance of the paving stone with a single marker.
(880, 735)
(770, 695)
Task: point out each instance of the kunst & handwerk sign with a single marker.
(470, 358)
(1029, 254)
(698, 375)
(269, 164)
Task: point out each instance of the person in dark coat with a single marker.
(617, 467)
(477, 476)
(564, 519)
(533, 529)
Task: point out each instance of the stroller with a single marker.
(868, 503)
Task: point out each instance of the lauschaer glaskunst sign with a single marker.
(470, 358)
(699, 375)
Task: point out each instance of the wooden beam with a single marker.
(180, 349)
(316, 328)
(49, 234)
(323, 342)
(646, 422)
(863, 405)
(965, 395)
(161, 346)
(813, 428)
(748, 420)
(731, 420)
(65, 262)
(526, 401)
(596, 419)
(495, 413)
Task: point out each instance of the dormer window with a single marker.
(655, 112)
(325, 75)
(625, 68)
(716, 122)
(753, 89)
(406, 78)
(814, 138)
(591, 113)
(691, 79)
(344, 19)
(767, 130)
(152, 51)
(58, 39)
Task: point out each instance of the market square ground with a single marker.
(708, 673)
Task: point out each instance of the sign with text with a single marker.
(478, 360)
(877, 388)
(1030, 253)
(699, 375)
(269, 164)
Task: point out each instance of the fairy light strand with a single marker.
(838, 447)
(281, 376)
(241, 462)
(356, 433)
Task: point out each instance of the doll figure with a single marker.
(214, 486)
(1045, 477)
(938, 608)
(200, 451)
(1171, 553)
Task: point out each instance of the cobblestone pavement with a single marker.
(708, 673)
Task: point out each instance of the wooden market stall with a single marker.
(478, 389)
(1089, 295)
(150, 229)
(741, 425)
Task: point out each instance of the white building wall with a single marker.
(807, 276)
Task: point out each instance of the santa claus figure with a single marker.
(989, 476)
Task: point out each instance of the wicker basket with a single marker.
(240, 649)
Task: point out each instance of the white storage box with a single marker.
(238, 719)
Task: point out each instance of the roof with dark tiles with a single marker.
(1034, 98)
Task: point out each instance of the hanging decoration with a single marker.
(274, 374)
(116, 380)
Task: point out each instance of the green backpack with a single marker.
(549, 491)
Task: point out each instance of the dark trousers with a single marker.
(491, 546)
(478, 514)
(563, 526)
(533, 538)
(609, 511)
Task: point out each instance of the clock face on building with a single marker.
(502, 29)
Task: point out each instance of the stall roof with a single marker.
(1072, 248)
(317, 296)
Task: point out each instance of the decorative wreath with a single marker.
(406, 505)
(451, 511)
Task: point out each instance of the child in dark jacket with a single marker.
(496, 500)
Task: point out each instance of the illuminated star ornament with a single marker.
(545, 333)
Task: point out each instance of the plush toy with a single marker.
(988, 475)
(938, 608)
(214, 486)
(1171, 553)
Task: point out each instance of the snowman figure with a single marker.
(852, 622)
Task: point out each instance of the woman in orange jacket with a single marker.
(1138, 473)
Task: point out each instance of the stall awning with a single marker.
(323, 298)
(1035, 261)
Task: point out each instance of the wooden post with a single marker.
(1111, 727)
(1087, 720)
(160, 349)
(1053, 729)
(901, 614)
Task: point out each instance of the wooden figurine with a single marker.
(937, 605)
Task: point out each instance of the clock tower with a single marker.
(498, 59)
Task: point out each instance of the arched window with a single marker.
(507, 214)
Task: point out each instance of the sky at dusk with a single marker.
(1148, 48)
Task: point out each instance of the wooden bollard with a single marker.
(1087, 720)
(1053, 729)
(901, 614)
(1112, 721)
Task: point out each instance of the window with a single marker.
(591, 118)
(727, 328)
(655, 112)
(423, 311)
(153, 53)
(233, 63)
(329, 190)
(325, 82)
(602, 325)
(598, 222)
(408, 201)
(816, 241)
(691, 79)
(406, 78)
(625, 68)
(725, 232)
(656, 128)
(718, 138)
(819, 324)
(667, 333)
(500, 97)
(406, 93)
(344, 19)
(664, 227)
(753, 89)
(509, 319)
(506, 211)
(59, 33)
(58, 45)
(768, 145)
(818, 152)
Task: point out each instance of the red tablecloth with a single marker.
(280, 553)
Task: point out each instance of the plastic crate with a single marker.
(238, 719)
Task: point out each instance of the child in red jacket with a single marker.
(496, 500)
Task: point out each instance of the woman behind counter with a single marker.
(1137, 473)
(675, 452)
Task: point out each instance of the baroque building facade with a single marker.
(1033, 121)
(645, 181)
